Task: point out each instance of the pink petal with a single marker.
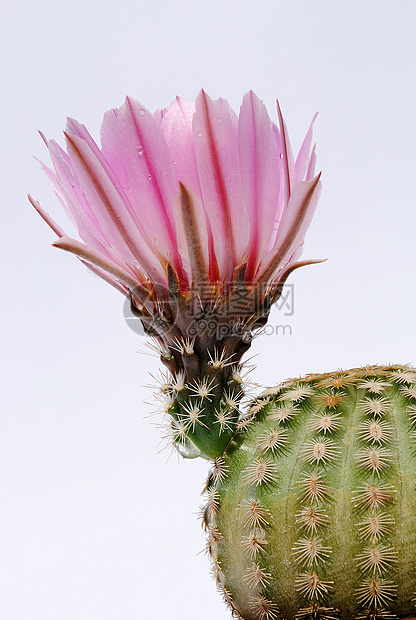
(149, 256)
(299, 213)
(159, 115)
(259, 165)
(218, 168)
(176, 127)
(112, 149)
(93, 256)
(286, 156)
(53, 180)
(61, 234)
(106, 197)
(46, 217)
(68, 189)
(230, 111)
(312, 164)
(304, 156)
(135, 143)
(298, 216)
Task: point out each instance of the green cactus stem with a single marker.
(204, 414)
(311, 511)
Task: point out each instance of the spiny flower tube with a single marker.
(198, 216)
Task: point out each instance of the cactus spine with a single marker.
(311, 512)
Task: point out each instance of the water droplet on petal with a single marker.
(155, 241)
(219, 119)
(276, 225)
(281, 155)
(149, 176)
(199, 134)
(140, 151)
(141, 112)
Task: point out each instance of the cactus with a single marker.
(198, 217)
(311, 511)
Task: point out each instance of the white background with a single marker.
(95, 522)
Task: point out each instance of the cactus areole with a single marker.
(311, 512)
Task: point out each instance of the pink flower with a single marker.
(195, 213)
